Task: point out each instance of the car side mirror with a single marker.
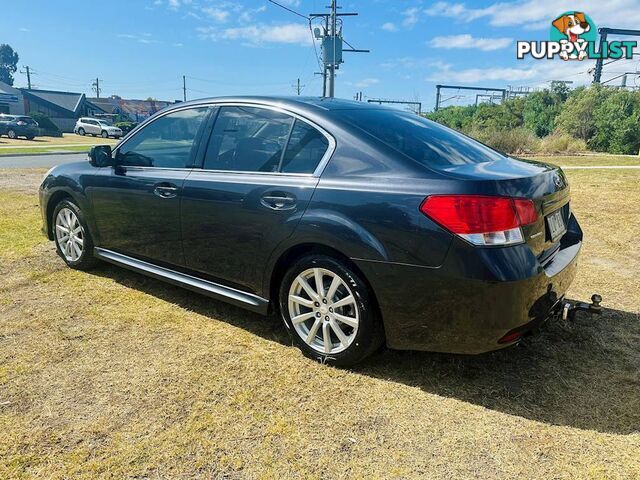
(101, 156)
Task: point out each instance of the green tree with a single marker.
(8, 63)
(577, 117)
(616, 123)
(540, 111)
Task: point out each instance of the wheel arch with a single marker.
(54, 200)
(295, 252)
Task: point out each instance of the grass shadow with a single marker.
(583, 374)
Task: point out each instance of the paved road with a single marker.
(39, 161)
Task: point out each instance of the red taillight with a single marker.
(482, 220)
(526, 211)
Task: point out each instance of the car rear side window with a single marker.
(167, 142)
(305, 149)
(247, 139)
(422, 140)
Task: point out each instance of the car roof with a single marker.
(300, 104)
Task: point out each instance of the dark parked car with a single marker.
(14, 126)
(358, 224)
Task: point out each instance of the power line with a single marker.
(288, 9)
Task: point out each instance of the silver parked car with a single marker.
(95, 127)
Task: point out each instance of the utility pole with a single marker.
(96, 87)
(298, 87)
(28, 72)
(184, 88)
(332, 46)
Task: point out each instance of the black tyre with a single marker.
(81, 131)
(329, 311)
(30, 137)
(12, 134)
(104, 134)
(71, 234)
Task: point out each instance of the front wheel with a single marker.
(104, 134)
(329, 311)
(81, 132)
(71, 235)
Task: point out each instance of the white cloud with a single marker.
(290, 33)
(367, 82)
(218, 14)
(533, 73)
(389, 27)
(411, 16)
(538, 14)
(467, 41)
(145, 38)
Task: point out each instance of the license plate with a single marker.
(556, 226)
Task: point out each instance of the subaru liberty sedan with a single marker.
(357, 224)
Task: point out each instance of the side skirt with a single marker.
(205, 287)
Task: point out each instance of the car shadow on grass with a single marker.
(583, 374)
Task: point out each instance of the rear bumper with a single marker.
(475, 298)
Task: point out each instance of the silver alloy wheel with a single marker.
(323, 310)
(12, 134)
(69, 234)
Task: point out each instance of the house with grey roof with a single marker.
(63, 108)
(11, 100)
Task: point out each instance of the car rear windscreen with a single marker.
(27, 120)
(420, 139)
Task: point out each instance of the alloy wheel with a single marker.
(12, 134)
(69, 234)
(323, 310)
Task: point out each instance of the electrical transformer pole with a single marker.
(332, 46)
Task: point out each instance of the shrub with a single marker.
(559, 142)
(515, 141)
(126, 127)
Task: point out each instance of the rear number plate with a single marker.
(555, 224)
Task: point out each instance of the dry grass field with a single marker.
(110, 374)
(66, 139)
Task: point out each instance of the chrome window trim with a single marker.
(316, 173)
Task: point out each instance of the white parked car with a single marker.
(93, 126)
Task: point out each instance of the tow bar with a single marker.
(570, 307)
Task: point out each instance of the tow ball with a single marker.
(569, 307)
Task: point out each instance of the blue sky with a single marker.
(141, 48)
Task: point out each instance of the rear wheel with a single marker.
(104, 134)
(329, 311)
(12, 134)
(72, 238)
(81, 131)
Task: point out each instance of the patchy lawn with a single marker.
(591, 160)
(112, 374)
(66, 139)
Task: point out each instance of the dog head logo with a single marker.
(575, 28)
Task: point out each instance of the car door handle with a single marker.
(278, 201)
(166, 190)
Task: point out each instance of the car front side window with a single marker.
(167, 142)
(248, 139)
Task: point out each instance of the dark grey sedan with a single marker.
(357, 224)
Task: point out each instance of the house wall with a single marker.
(13, 108)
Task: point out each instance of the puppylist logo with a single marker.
(573, 36)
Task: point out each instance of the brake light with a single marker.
(479, 219)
